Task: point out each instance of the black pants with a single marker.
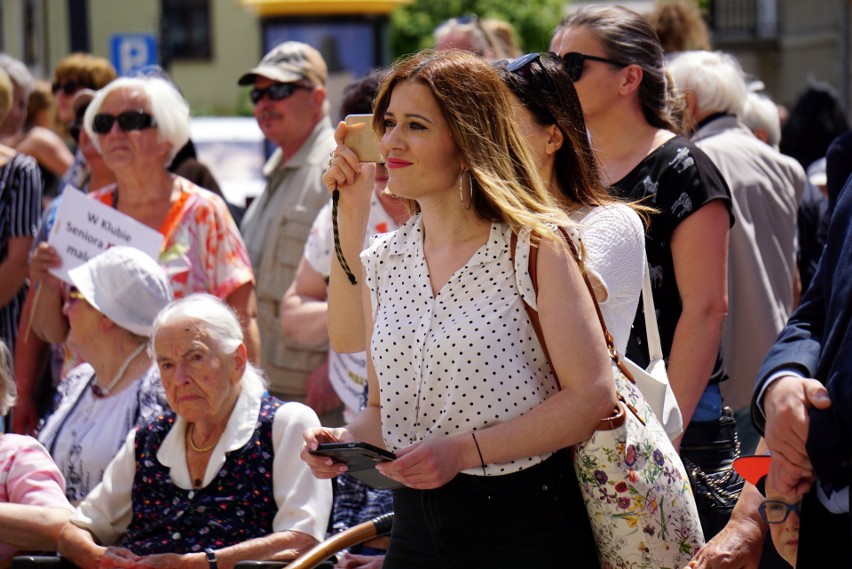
(711, 447)
(532, 519)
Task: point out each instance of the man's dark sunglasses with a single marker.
(69, 87)
(128, 120)
(275, 92)
(575, 62)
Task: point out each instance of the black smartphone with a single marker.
(361, 458)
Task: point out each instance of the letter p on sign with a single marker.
(133, 51)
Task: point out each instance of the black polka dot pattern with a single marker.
(459, 361)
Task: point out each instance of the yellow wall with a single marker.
(210, 86)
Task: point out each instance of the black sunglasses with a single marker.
(275, 92)
(575, 62)
(69, 87)
(128, 120)
(519, 64)
(521, 67)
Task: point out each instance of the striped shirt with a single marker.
(20, 214)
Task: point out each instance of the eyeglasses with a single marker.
(776, 511)
(77, 126)
(74, 131)
(275, 92)
(575, 62)
(69, 87)
(128, 120)
(74, 295)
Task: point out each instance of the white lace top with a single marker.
(614, 242)
(462, 360)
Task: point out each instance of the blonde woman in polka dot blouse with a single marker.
(459, 386)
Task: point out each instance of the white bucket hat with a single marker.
(125, 285)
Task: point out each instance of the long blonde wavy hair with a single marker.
(478, 108)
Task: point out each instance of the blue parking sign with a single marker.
(132, 51)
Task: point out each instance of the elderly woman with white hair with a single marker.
(139, 125)
(217, 480)
(33, 507)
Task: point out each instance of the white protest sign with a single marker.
(84, 227)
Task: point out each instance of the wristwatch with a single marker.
(211, 558)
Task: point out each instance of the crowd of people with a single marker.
(165, 409)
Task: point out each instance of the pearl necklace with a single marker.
(105, 391)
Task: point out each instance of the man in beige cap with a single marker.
(291, 108)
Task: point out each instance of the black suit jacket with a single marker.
(817, 341)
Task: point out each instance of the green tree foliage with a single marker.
(534, 20)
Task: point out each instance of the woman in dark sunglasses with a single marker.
(616, 65)
(76, 72)
(613, 236)
(139, 125)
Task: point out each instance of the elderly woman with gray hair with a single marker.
(33, 507)
(139, 125)
(216, 480)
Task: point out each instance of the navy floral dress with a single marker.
(236, 506)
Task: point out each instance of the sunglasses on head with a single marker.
(275, 92)
(522, 68)
(575, 62)
(128, 120)
(69, 87)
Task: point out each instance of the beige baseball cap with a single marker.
(289, 62)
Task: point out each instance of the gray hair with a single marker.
(216, 317)
(471, 29)
(18, 73)
(716, 79)
(760, 112)
(169, 109)
(8, 389)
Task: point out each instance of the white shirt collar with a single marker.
(241, 426)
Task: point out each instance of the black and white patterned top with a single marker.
(677, 179)
(84, 432)
(20, 215)
(462, 360)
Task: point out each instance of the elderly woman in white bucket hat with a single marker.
(110, 307)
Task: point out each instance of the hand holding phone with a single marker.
(361, 138)
(361, 459)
